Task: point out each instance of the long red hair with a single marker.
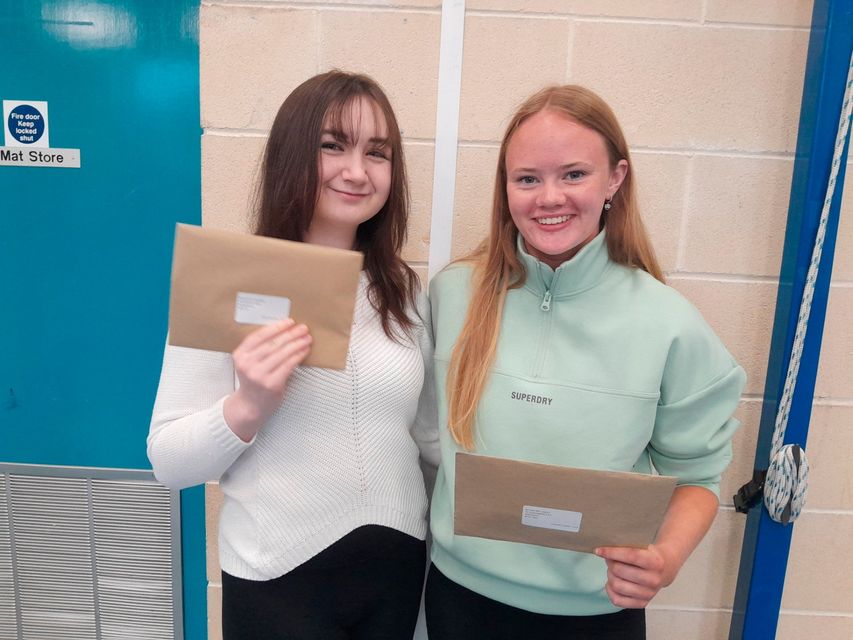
(498, 269)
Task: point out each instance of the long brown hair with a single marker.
(498, 269)
(290, 178)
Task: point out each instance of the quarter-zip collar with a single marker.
(581, 272)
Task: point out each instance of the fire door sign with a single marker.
(26, 123)
(27, 138)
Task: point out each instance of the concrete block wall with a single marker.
(708, 92)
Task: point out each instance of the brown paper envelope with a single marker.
(495, 495)
(211, 266)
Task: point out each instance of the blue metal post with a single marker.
(194, 560)
(764, 555)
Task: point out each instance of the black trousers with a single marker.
(456, 613)
(366, 586)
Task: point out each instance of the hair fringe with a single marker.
(288, 188)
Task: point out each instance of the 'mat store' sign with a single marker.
(27, 138)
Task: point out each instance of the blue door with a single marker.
(85, 252)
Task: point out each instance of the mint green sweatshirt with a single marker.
(598, 366)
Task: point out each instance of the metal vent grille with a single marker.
(8, 617)
(88, 554)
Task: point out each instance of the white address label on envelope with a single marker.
(546, 518)
(256, 308)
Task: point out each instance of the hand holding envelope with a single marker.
(225, 284)
(560, 507)
(263, 364)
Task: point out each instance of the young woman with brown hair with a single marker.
(565, 301)
(322, 527)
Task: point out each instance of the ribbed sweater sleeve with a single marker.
(189, 441)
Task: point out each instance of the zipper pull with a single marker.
(546, 302)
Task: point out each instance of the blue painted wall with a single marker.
(85, 253)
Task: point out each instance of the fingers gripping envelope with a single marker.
(553, 506)
(225, 284)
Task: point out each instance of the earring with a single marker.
(607, 204)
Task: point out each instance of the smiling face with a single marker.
(558, 178)
(355, 174)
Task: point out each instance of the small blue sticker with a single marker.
(26, 123)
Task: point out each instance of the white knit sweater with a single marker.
(340, 452)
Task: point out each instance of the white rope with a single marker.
(787, 476)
